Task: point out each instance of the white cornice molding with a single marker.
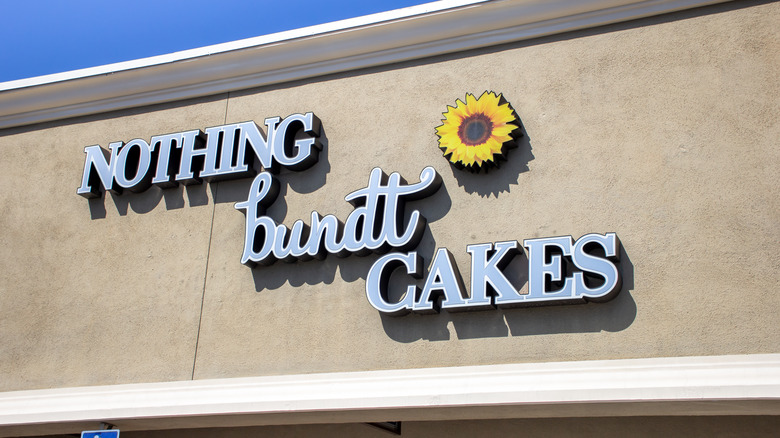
(703, 385)
(406, 34)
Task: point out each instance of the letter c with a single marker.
(379, 277)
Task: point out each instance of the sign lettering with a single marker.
(560, 269)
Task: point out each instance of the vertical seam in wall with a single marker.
(208, 254)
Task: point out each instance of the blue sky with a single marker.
(40, 37)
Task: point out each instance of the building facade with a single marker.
(642, 142)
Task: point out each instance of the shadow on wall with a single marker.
(612, 316)
(148, 200)
(500, 180)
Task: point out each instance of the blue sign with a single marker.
(113, 433)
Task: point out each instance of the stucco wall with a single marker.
(663, 131)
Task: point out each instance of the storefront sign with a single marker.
(560, 269)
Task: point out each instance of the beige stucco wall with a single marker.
(664, 131)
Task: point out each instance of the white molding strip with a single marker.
(406, 34)
(703, 385)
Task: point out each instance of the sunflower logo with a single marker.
(476, 134)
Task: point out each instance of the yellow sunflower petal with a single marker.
(493, 146)
(450, 115)
(484, 152)
(502, 132)
(504, 114)
(447, 128)
(471, 104)
(488, 104)
(462, 110)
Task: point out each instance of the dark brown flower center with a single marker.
(475, 129)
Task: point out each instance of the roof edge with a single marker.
(699, 385)
(380, 39)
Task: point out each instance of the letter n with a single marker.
(99, 171)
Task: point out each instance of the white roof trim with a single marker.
(703, 385)
(389, 37)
